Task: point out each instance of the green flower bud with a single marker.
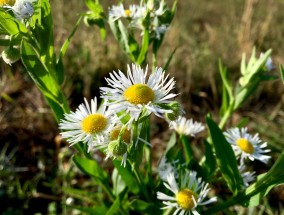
(11, 55)
(177, 111)
(117, 148)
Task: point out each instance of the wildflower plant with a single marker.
(118, 123)
(137, 27)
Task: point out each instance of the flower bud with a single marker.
(11, 55)
(176, 111)
(117, 148)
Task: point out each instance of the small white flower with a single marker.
(186, 127)
(188, 195)
(134, 12)
(134, 93)
(247, 146)
(87, 124)
(246, 175)
(23, 9)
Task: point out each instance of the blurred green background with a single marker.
(36, 174)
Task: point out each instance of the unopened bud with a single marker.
(11, 55)
(176, 111)
(117, 148)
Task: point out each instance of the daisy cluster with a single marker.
(128, 99)
(151, 16)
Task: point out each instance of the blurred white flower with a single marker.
(186, 127)
(246, 175)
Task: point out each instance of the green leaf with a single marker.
(144, 48)
(118, 183)
(83, 195)
(172, 142)
(265, 182)
(226, 82)
(282, 73)
(243, 122)
(38, 70)
(11, 25)
(225, 157)
(127, 176)
(91, 168)
(209, 164)
(115, 207)
(96, 210)
(59, 65)
(133, 46)
(138, 205)
(165, 68)
(43, 32)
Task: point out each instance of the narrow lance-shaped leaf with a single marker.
(91, 168)
(10, 25)
(282, 73)
(225, 157)
(127, 176)
(43, 32)
(255, 192)
(59, 65)
(144, 47)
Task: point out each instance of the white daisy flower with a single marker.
(134, 12)
(246, 175)
(187, 196)
(87, 123)
(23, 9)
(186, 127)
(246, 145)
(134, 93)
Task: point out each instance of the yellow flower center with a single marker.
(139, 94)
(245, 145)
(94, 123)
(7, 2)
(115, 132)
(185, 199)
(127, 13)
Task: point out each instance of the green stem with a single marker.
(141, 183)
(154, 61)
(187, 149)
(226, 116)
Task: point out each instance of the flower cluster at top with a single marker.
(128, 100)
(152, 16)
